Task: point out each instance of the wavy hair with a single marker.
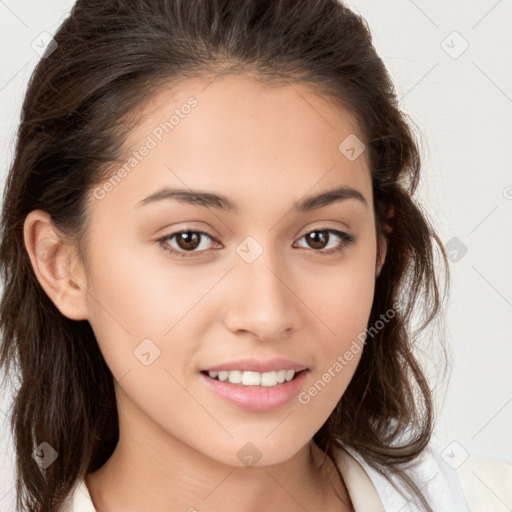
(82, 101)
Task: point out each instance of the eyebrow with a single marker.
(211, 200)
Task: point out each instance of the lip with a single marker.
(256, 398)
(255, 365)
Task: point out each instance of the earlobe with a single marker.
(55, 265)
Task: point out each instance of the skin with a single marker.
(264, 147)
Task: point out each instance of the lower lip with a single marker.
(257, 398)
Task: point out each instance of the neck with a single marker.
(151, 467)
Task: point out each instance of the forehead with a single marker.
(243, 138)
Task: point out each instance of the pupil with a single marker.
(188, 244)
(314, 236)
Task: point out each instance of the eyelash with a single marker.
(347, 241)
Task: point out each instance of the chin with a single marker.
(260, 451)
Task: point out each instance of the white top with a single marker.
(479, 484)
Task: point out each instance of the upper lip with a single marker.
(255, 365)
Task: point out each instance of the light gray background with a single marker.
(462, 102)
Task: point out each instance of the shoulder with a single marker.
(448, 485)
(79, 499)
(487, 484)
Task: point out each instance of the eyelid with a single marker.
(347, 239)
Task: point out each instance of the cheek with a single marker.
(342, 300)
(148, 312)
(342, 296)
(345, 310)
(133, 307)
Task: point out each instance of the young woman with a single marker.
(211, 256)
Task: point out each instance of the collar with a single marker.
(360, 488)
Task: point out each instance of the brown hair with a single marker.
(80, 105)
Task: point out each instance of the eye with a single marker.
(188, 241)
(319, 238)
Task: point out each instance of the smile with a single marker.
(255, 391)
(267, 379)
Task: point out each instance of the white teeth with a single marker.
(251, 378)
(267, 379)
(235, 377)
(289, 374)
(281, 376)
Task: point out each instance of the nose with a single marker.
(262, 300)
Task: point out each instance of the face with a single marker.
(262, 281)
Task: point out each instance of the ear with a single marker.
(383, 243)
(381, 257)
(55, 265)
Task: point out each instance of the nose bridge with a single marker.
(263, 302)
